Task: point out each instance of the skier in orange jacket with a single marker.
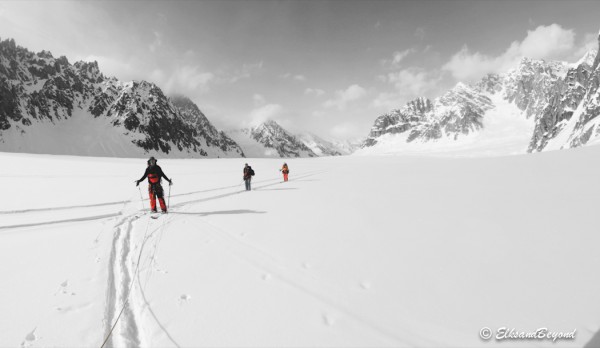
(285, 170)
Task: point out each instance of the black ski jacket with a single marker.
(154, 173)
(248, 172)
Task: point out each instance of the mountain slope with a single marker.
(48, 105)
(320, 146)
(269, 139)
(561, 100)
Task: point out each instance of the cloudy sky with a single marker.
(328, 67)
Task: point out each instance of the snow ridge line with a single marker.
(87, 218)
(61, 208)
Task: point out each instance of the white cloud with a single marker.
(343, 97)
(408, 84)
(295, 77)
(314, 91)
(234, 75)
(387, 100)
(400, 55)
(420, 33)
(345, 130)
(414, 81)
(589, 42)
(110, 66)
(550, 42)
(544, 42)
(258, 100)
(264, 113)
(397, 58)
(156, 43)
(187, 79)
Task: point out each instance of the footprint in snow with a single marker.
(184, 298)
(328, 320)
(62, 287)
(30, 338)
(365, 285)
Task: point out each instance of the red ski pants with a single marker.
(285, 177)
(156, 192)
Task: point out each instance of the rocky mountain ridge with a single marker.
(40, 94)
(563, 101)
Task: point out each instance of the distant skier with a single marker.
(285, 170)
(155, 190)
(248, 174)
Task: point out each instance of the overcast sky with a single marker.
(328, 67)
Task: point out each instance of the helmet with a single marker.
(151, 160)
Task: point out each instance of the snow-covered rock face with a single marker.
(269, 139)
(323, 147)
(458, 112)
(563, 101)
(40, 95)
(272, 135)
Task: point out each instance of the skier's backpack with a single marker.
(251, 171)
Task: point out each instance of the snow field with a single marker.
(353, 251)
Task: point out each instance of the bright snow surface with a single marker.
(352, 251)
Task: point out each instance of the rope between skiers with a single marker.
(154, 174)
(135, 275)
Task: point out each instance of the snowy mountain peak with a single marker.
(322, 147)
(588, 58)
(561, 101)
(51, 106)
(460, 86)
(269, 128)
(269, 139)
(420, 105)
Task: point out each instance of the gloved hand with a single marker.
(137, 183)
(170, 182)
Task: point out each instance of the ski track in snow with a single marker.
(123, 311)
(104, 216)
(121, 321)
(88, 218)
(125, 304)
(132, 244)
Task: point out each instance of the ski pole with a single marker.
(169, 198)
(141, 198)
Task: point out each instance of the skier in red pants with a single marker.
(155, 190)
(285, 170)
